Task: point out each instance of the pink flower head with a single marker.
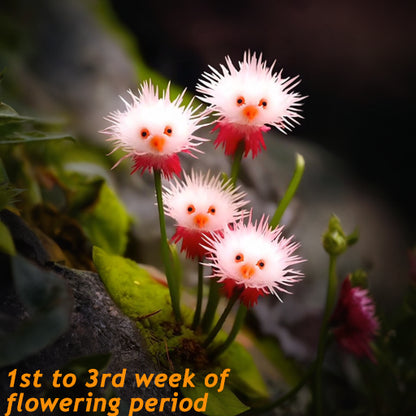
(201, 205)
(354, 322)
(153, 131)
(248, 100)
(253, 259)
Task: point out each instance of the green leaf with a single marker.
(132, 288)
(107, 223)
(9, 115)
(218, 403)
(15, 129)
(244, 375)
(47, 300)
(6, 240)
(34, 136)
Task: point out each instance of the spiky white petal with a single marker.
(254, 81)
(257, 243)
(203, 192)
(148, 110)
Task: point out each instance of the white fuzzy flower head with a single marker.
(200, 205)
(253, 258)
(252, 94)
(203, 202)
(153, 128)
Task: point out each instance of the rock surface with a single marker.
(97, 328)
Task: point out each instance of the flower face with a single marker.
(354, 322)
(201, 204)
(254, 259)
(154, 130)
(250, 97)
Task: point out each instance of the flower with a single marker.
(152, 130)
(200, 205)
(254, 259)
(248, 100)
(353, 321)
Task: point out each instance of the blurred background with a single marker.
(356, 59)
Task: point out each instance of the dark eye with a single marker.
(260, 264)
(239, 257)
(168, 130)
(190, 209)
(212, 210)
(263, 103)
(240, 100)
(144, 133)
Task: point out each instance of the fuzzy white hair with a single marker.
(254, 82)
(258, 245)
(203, 192)
(153, 114)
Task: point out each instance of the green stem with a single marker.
(170, 277)
(332, 287)
(290, 191)
(278, 402)
(238, 322)
(197, 315)
(221, 320)
(323, 336)
(236, 164)
(212, 304)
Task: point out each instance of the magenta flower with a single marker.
(249, 100)
(353, 322)
(253, 259)
(153, 130)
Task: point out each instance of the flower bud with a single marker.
(334, 241)
(359, 279)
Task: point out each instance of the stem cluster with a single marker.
(205, 322)
(335, 242)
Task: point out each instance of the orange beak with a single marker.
(158, 143)
(201, 220)
(247, 270)
(250, 112)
